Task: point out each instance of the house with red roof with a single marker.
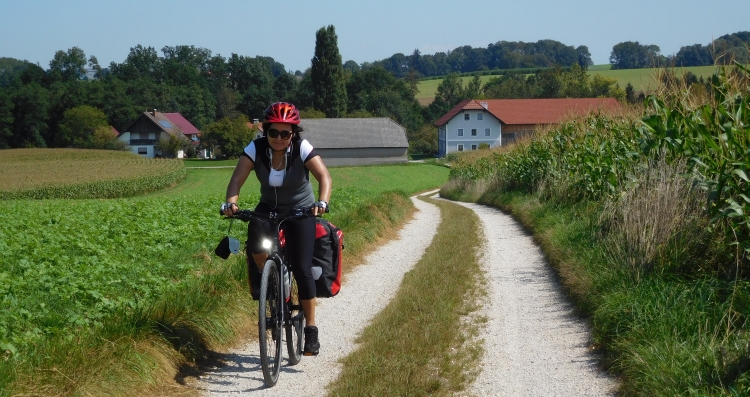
(143, 134)
(497, 122)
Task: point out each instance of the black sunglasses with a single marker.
(274, 133)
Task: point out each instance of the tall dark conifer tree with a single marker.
(328, 74)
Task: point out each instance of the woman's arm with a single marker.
(320, 172)
(239, 176)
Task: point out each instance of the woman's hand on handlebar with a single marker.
(319, 208)
(228, 209)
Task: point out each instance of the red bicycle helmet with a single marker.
(281, 112)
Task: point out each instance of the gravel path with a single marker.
(534, 344)
(340, 320)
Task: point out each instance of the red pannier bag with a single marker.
(326, 266)
(326, 269)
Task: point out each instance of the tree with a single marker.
(584, 57)
(30, 106)
(328, 74)
(311, 113)
(253, 79)
(171, 144)
(606, 87)
(6, 120)
(351, 66)
(231, 135)
(473, 90)
(78, 126)
(449, 93)
(634, 55)
(141, 62)
(513, 85)
(102, 137)
(71, 65)
(630, 93)
(424, 140)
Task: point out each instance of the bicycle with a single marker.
(279, 304)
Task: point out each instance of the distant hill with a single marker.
(641, 79)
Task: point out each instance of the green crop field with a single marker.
(69, 265)
(77, 173)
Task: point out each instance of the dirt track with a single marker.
(534, 344)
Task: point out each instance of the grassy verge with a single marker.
(663, 335)
(420, 344)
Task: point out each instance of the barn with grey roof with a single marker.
(357, 141)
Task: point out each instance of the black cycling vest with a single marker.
(296, 189)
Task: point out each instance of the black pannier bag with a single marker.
(326, 267)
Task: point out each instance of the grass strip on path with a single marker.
(424, 342)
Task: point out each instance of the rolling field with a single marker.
(76, 173)
(641, 79)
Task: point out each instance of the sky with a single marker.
(368, 31)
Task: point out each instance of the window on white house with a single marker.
(473, 147)
(460, 148)
(486, 132)
(142, 150)
(466, 116)
(473, 132)
(480, 116)
(460, 132)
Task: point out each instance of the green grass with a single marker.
(641, 79)
(419, 345)
(195, 163)
(106, 290)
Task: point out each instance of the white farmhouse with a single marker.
(499, 121)
(143, 134)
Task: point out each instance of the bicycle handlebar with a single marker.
(246, 215)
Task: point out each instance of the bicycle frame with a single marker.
(276, 309)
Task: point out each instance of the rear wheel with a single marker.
(269, 323)
(294, 327)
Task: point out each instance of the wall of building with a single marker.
(513, 132)
(362, 156)
(453, 140)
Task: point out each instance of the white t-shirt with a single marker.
(276, 177)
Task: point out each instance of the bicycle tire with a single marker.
(294, 332)
(269, 323)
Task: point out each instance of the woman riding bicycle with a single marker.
(283, 161)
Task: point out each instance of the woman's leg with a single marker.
(308, 306)
(300, 238)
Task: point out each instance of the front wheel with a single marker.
(270, 322)
(294, 326)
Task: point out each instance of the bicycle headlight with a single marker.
(266, 243)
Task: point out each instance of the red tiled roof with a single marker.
(184, 125)
(532, 111)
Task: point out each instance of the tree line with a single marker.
(497, 56)
(61, 107)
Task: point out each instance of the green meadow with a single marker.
(641, 79)
(116, 294)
